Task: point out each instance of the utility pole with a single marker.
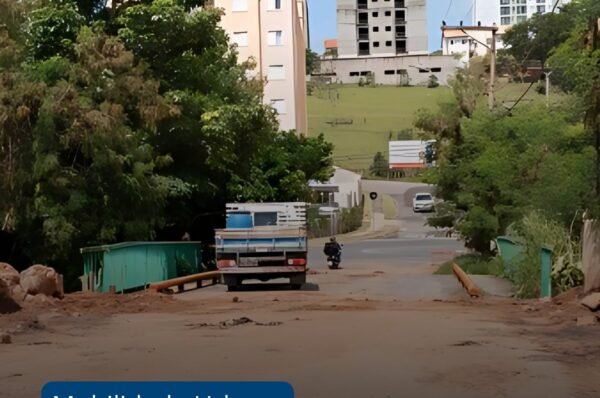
(491, 48)
(491, 99)
(547, 75)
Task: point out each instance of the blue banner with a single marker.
(167, 390)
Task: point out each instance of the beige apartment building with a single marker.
(274, 33)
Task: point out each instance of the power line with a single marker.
(448, 10)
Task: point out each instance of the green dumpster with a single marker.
(511, 253)
(134, 265)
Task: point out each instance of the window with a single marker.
(375, 44)
(451, 41)
(276, 72)
(389, 72)
(388, 28)
(365, 73)
(274, 37)
(464, 41)
(264, 219)
(375, 28)
(388, 13)
(375, 14)
(541, 9)
(388, 43)
(274, 5)
(239, 5)
(504, 10)
(354, 73)
(240, 38)
(504, 2)
(521, 18)
(436, 70)
(505, 20)
(424, 70)
(279, 106)
(402, 72)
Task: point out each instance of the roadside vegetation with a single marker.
(134, 122)
(527, 170)
(474, 264)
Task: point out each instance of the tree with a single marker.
(534, 38)
(380, 166)
(285, 168)
(52, 30)
(312, 62)
(576, 65)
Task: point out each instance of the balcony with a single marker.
(399, 4)
(400, 21)
(362, 5)
(362, 51)
(363, 36)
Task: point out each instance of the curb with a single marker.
(466, 281)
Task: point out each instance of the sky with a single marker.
(322, 20)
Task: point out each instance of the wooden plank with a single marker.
(182, 281)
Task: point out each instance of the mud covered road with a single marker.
(347, 334)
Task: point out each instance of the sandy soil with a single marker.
(325, 345)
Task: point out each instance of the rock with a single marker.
(589, 320)
(18, 294)
(39, 279)
(5, 338)
(592, 301)
(236, 299)
(7, 303)
(9, 275)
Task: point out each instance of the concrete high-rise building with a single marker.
(274, 34)
(510, 12)
(381, 28)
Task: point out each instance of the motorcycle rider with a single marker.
(333, 248)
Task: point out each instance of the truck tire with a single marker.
(296, 281)
(233, 282)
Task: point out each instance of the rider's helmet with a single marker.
(332, 239)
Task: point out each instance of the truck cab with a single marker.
(263, 241)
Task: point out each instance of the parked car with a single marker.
(423, 202)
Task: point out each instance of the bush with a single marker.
(474, 264)
(536, 231)
(433, 82)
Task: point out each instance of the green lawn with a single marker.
(377, 111)
(374, 112)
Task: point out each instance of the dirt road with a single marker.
(326, 342)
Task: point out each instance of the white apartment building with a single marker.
(274, 34)
(381, 28)
(469, 41)
(510, 12)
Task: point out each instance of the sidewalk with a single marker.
(363, 233)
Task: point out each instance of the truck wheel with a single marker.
(297, 281)
(233, 283)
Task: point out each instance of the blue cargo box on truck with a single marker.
(263, 241)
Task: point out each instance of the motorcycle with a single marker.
(334, 259)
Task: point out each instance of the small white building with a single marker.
(343, 190)
(470, 41)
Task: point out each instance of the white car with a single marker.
(423, 202)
